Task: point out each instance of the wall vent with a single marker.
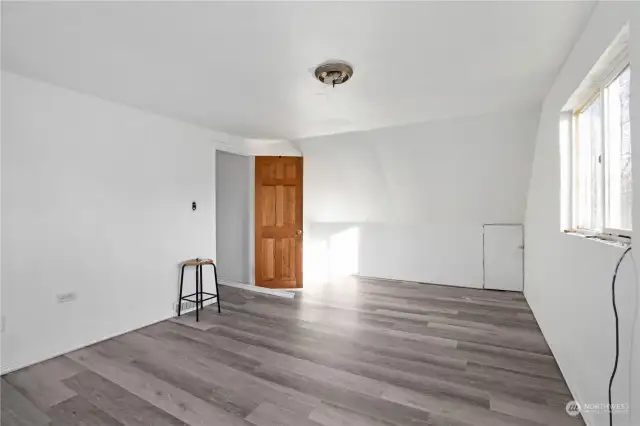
(188, 306)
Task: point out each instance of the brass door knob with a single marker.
(299, 232)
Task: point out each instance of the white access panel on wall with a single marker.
(503, 257)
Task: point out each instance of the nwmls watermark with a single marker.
(573, 408)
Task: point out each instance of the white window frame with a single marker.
(615, 72)
(599, 93)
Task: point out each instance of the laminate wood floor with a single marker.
(359, 352)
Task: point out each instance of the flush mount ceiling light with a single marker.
(334, 73)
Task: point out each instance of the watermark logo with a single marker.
(572, 408)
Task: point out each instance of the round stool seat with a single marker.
(197, 262)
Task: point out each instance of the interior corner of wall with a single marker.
(236, 147)
(269, 147)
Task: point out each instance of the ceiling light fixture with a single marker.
(334, 73)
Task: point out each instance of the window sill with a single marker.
(610, 240)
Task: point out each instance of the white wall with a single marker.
(1, 314)
(409, 202)
(567, 278)
(233, 193)
(96, 199)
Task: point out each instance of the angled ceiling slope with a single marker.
(247, 68)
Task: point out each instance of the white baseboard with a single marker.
(91, 342)
(271, 291)
(126, 330)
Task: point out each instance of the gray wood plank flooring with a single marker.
(358, 352)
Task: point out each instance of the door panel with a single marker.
(288, 194)
(268, 260)
(287, 260)
(268, 206)
(278, 222)
(503, 257)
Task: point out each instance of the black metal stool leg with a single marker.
(180, 296)
(215, 279)
(201, 286)
(197, 292)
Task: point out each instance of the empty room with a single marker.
(319, 213)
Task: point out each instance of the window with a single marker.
(601, 188)
(619, 192)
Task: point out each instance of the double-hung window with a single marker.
(601, 181)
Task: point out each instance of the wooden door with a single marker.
(278, 215)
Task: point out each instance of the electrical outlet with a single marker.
(67, 297)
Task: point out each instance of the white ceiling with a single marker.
(246, 68)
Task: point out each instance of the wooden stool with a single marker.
(198, 263)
